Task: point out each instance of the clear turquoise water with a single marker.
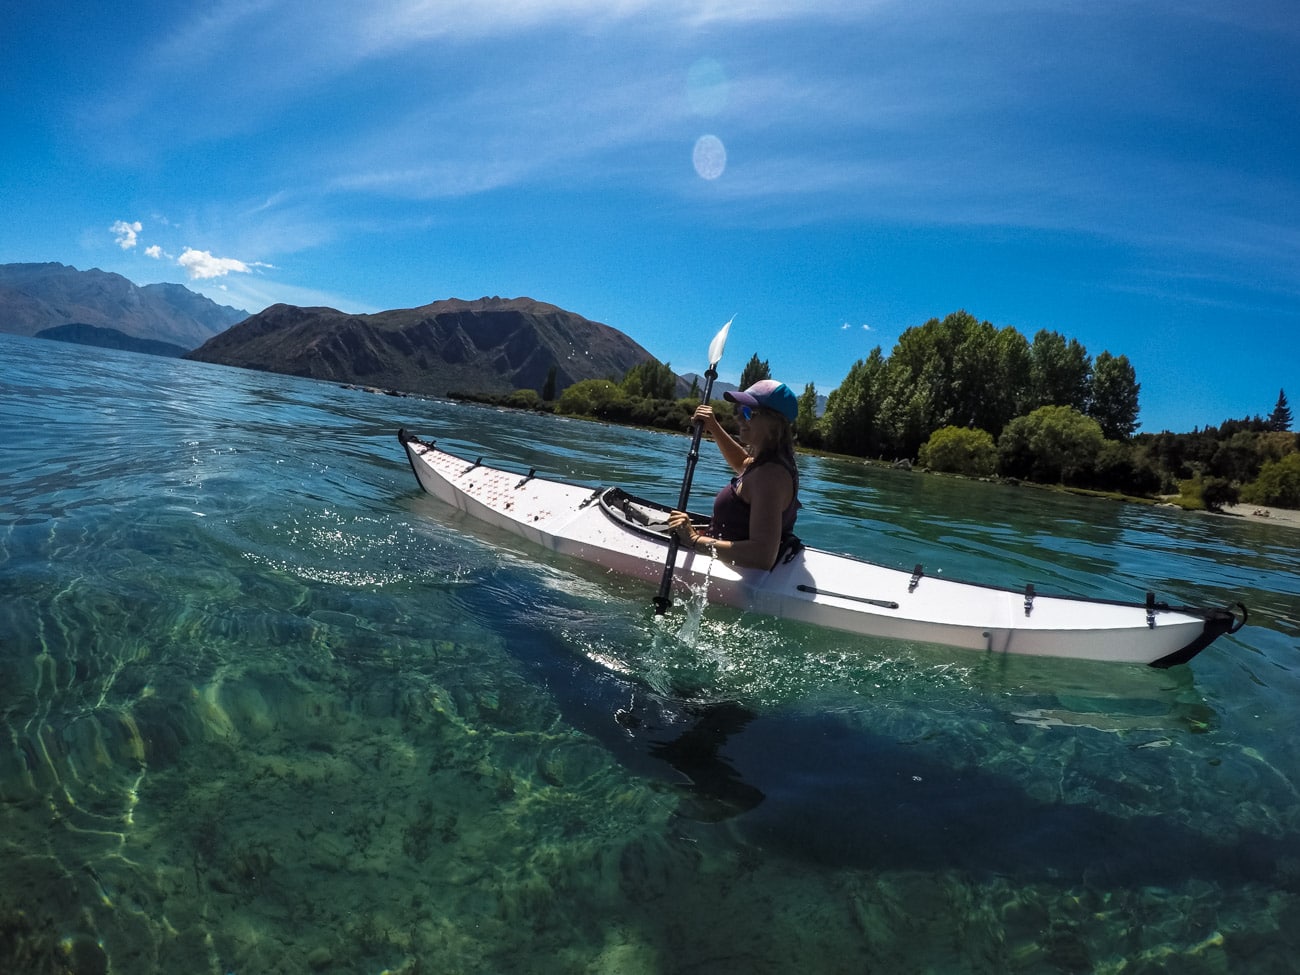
(265, 707)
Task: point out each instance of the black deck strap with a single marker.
(882, 603)
(916, 577)
(477, 463)
(532, 471)
(1151, 610)
(791, 545)
(1029, 598)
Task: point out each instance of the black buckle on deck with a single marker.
(1029, 598)
(528, 477)
(1151, 610)
(916, 578)
(477, 463)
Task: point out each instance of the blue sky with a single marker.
(831, 172)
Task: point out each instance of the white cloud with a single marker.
(155, 252)
(201, 265)
(125, 233)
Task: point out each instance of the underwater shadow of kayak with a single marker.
(841, 796)
(816, 788)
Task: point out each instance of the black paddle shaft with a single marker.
(663, 601)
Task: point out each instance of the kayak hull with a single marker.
(623, 534)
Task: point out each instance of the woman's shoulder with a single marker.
(768, 476)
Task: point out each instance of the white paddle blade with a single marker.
(719, 343)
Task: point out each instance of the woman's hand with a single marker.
(733, 452)
(679, 523)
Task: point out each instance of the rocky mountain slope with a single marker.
(34, 297)
(491, 345)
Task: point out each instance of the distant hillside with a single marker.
(492, 345)
(79, 333)
(34, 297)
(688, 380)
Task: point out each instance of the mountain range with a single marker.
(489, 345)
(34, 297)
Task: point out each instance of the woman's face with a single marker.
(759, 427)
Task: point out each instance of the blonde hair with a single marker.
(779, 446)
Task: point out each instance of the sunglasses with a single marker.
(747, 413)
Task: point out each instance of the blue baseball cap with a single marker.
(769, 394)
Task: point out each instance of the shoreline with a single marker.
(1260, 514)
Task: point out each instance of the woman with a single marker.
(755, 513)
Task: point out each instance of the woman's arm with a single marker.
(768, 489)
(733, 452)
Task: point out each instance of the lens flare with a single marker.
(709, 157)
(707, 88)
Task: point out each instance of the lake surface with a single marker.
(266, 707)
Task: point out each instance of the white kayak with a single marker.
(612, 529)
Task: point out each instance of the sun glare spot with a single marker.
(709, 157)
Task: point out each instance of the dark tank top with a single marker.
(730, 521)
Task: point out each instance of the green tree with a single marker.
(960, 450)
(850, 424)
(1278, 483)
(651, 379)
(755, 370)
(1122, 466)
(1281, 417)
(983, 394)
(914, 396)
(592, 397)
(1059, 371)
(1238, 458)
(1113, 396)
(805, 427)
(1008, 392)
(1218, 491)
(905, 418)
(523, 399)
(1053, 444)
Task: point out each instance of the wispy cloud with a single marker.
(200, 265)
(1020, 115)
